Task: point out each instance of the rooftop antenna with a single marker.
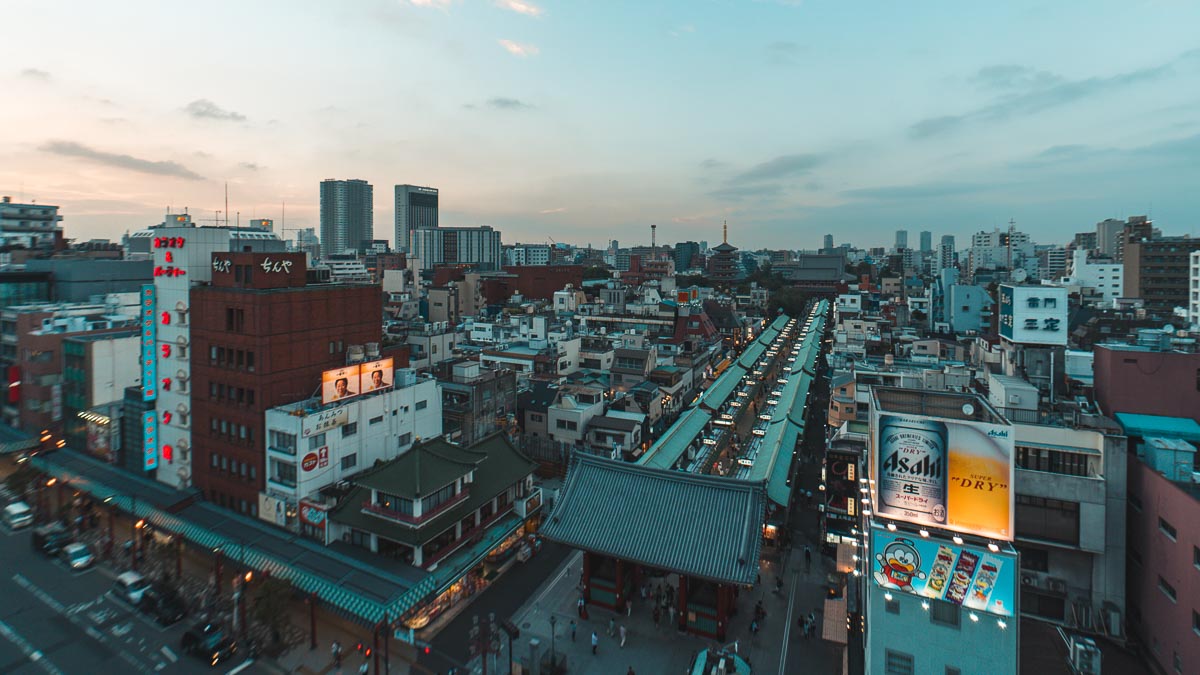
(226, 203)
(653, 243)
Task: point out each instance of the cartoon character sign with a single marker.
(898, 565)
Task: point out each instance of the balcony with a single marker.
(414, 521)
(472, 534)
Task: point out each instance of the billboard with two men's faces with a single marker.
(347, 382)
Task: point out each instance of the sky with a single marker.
(586, 121)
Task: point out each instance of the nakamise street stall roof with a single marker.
(351, 586)
(14, 440)
(705, 526)
(668, 449)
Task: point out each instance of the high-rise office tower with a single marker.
(416, 209)
(926, 241)
(901, 239)
(827, 243)
(347, 215)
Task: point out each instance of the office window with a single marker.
(405, 439)
(1167, 528)
(215, 460)
(283, 473)
(944, 613)
(375, 420)
(1035, 559)
(282, 442)
(1167, 589)
(316, 441)
(421, 405)
(897, 663)
(350, 461)
(1048, 519)
(350, 429)
(892, 606)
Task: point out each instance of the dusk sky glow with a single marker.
(588, 121)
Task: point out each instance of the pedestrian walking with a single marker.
(623, 636)
(612, 626)
(336, 651)
(807, 557)
(629, 607)
(595, 642)
(572, 630)
(671, 610)
(657, 616)
(579, 606)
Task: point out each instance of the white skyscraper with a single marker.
(416, 209)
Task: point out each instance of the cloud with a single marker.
(520, 7)
(119, 161)
(737, 193)
(35, 74)
(506, 103)
(546, 212)
(203, 108)
(784, 166)
(783, 53)
(436, 4)
(518, 48)
(1028, 91)
(251, 166)
(712, 163)
(920, 191)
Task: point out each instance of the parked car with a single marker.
(50, 539)
(18, 515)
(163, 604)
(208, 641)
(131, 587)
(78, 556)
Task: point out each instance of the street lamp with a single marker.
(553, 656)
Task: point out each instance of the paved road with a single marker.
(56, 621)
(451, 647)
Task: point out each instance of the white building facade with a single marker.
(1106, 277)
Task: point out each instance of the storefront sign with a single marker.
(930, 568)
(312, 514)
(324, 421)
(945, 473)
(149, 440)
(149, 335)
(315, 460)
(1034, 314)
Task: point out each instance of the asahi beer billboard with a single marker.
(964, 575)
(944, 473)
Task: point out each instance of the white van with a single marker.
(131, 587)
(18, 515)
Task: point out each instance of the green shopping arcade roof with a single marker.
(1158, 425)
(708, 527)
(352, 584)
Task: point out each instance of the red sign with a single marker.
(311, 514)
(309, 462)
(168, 242)
(169, 271)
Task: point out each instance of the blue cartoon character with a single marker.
(898, 565)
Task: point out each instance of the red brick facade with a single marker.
(256, 348)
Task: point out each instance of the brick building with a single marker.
(261, 338)
(1134, 379)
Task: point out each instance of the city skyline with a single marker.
(534, 119)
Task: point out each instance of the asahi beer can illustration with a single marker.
(912, 468)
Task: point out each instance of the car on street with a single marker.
(50, 539)
(18, 515)
(77, 556)
(131, 587)
(163, 604)
(209, 642)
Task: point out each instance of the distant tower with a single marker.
(416, 209)
(828, 243)
(347, 215)
(653, 239)
(901, 239)
(926, 241)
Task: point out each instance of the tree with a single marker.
(790, 300)
(597, 272)
(271, 600)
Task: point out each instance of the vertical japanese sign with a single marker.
(149, 440)
(149, 337)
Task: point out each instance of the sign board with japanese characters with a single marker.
(323, 421)
(1034, 315)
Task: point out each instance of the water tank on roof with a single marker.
(372, 349)
(355, 354)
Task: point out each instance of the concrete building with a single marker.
(926, 242)
(30, 226)
(416, 209)
(1108, 233)
(236, 238)
(477, 246)
(574, 406)
(527, 254)
(1136, 228)
(347, 215)
(901, 240)
(97, 368)
(261, 338)
(1158, 272)
(1194, 289)
(79, 280)
(1147, 379)
(1070, 524)
(476, 400)
(1106, 276)
(922, 608)
(1164, 541)
(311, 446)
(1002, 250)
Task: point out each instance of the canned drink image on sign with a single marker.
(912, 468)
